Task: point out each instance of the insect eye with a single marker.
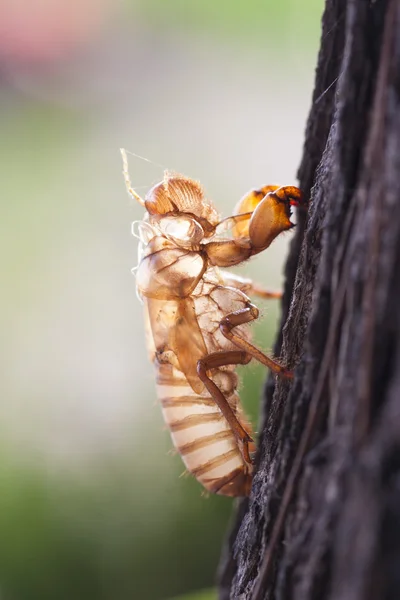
(183, 229)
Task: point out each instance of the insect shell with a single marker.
(196, 317)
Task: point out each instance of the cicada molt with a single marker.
(197, 317)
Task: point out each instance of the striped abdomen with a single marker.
(201, 434)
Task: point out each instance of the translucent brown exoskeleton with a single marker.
(196, 317)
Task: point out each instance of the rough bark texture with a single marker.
(330, 442)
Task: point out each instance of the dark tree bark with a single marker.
(323, 519)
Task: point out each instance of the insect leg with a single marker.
(258, 290)
(289, 193)
(250, 200)
(128, 183)
(221, 359)
(240, 317)
(248, 286)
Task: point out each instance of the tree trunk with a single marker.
(323, 519)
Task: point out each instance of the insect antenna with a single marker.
(125, 152)
(125, 172)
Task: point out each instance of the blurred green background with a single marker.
(92, 506)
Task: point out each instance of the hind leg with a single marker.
(214, 361)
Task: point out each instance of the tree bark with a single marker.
(323, 519)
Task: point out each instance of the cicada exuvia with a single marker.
(197, 317)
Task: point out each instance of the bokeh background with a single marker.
(91, 505)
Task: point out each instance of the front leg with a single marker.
(256, 226)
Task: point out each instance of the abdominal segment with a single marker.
(202, 435)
